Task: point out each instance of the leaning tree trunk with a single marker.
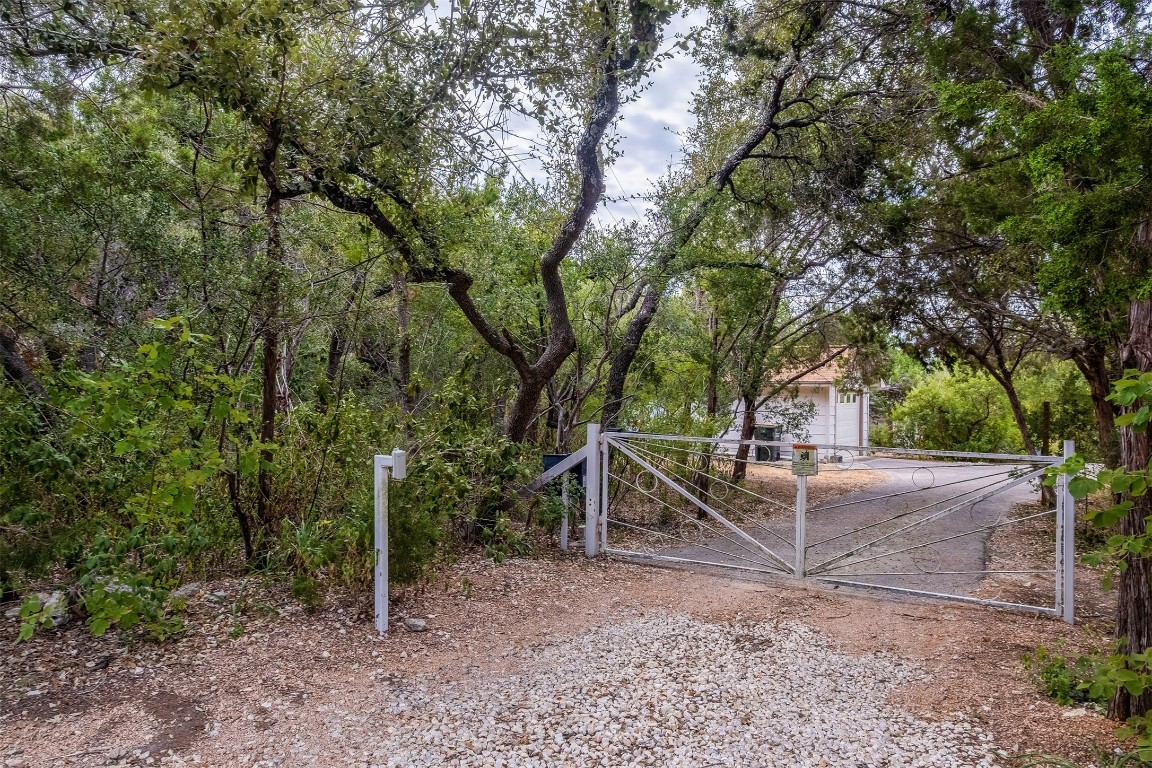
(702, 480)
(1134, 585)
(747, 430)
(18, 371)
(1018, 416)
(404, 345)
(626, 354)
(341, 333)
(1047, 492)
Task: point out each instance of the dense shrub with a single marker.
(145, 471)
(965, 410)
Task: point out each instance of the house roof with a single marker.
(828, 373)
(825, 374)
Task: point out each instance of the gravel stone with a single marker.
(55, 606)
(675, 691)
(414, 624)
(186, 591)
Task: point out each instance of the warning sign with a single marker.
(804, 460)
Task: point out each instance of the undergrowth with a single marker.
(1068, 680)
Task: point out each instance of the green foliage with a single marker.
(966, 410)
(956, 410)
(33, 617)
(307, 590)
(460, 473)
(122, 489)
(129, 489)
(1133, 393)
(1102, 759)
(1069, 681)
(1124, 669)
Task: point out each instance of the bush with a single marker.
(1068, 681)
(149, 469)
(120, 496)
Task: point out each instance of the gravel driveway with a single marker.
(567, 662)
(673, 691)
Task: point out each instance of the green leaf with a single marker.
(1082, 487)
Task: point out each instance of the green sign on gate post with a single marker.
(804, 460)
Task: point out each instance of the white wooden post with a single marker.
(592, 491)
(398, 463)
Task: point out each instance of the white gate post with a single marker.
(1068, 560)
(801, 513)
(397, 462)
(1061, 481)
(592, 491)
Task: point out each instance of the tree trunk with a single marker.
(626, 354)
(747, 430)
(338, 342)
(1047, 493)
(233, 482)
(404, 346)
(270, 339)
(1134, 584)
(16, 369)
(1093, 364)
(522, 414)
(1017, 412)
(1046, 428)
(702, 480)
(712, 392)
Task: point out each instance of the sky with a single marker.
(650, 134)
(651, 130)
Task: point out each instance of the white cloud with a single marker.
(649, 134)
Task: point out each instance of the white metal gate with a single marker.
(960, 526)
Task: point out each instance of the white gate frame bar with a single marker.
(944, 596)
(1007, 457)
(557, 469)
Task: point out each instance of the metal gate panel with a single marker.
(925, 528)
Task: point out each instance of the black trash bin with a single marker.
(766, 452)
(552, 459)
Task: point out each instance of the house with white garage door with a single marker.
(840, 415)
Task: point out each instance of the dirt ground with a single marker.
(256, 666)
